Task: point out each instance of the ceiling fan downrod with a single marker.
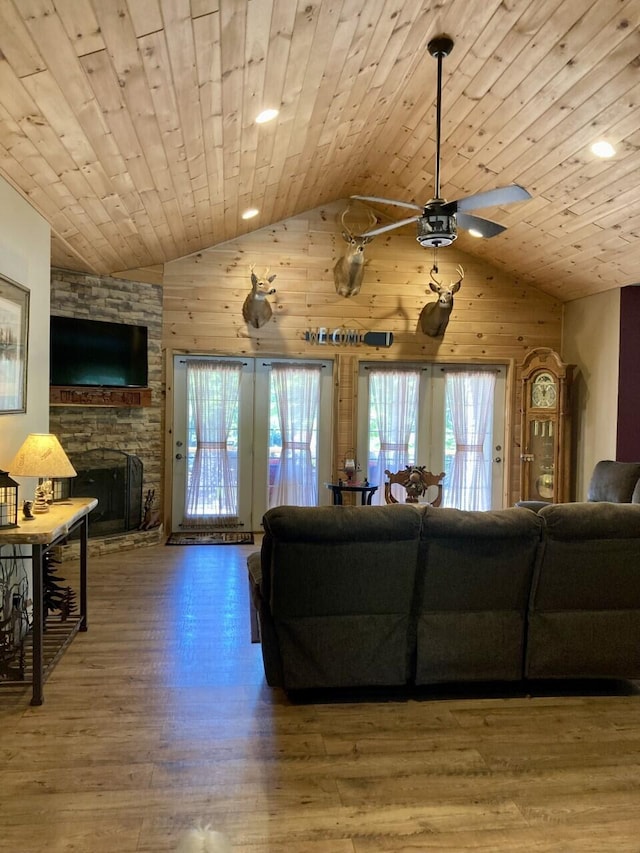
(439, 47)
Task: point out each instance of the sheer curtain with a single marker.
(469, 399)
(212, 471)
(393, 409)
(296, 393)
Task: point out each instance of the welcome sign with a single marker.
(342, 337)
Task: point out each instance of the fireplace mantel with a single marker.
(69, 395)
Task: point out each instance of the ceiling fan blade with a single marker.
(408, 204)
(384, 228)
(485, 227)
(499, 196)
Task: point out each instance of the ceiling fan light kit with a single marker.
(439, 220)
(436, 230)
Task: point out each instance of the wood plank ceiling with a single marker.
(130, 124)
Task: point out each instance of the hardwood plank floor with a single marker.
(159, 717)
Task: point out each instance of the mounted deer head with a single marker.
(256, 309)
(349, 269)
(434, 317)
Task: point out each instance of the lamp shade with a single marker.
(41, 455)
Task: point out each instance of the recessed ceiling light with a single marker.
(474, 232)
(603, 149)
(266, 115)
(249, 214)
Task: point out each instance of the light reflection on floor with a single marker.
(209, 638)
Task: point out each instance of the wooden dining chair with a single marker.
(417, 482)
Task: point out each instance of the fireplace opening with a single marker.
(115, 479)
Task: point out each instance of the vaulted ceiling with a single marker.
(130, 124)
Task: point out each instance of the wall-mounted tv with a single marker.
(94, 353)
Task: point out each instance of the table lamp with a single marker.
(350, 466)
(42, 456)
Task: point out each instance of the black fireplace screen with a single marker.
(115, 479)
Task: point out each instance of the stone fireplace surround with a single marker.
(135, 431)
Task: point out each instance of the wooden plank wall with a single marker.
(495, 317)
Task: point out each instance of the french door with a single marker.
(447, 417)
(248, 434)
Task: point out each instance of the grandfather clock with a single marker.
(546, 427)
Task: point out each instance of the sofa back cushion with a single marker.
(340, 582)
(584, 619)
(614, 481)
(475, 578)
(591, 558)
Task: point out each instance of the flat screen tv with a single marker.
(94, 353)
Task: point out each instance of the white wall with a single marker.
(591, 340)
(25, 257)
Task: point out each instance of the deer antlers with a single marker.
(348, 234)
(454, 286)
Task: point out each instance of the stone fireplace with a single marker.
(116, 448)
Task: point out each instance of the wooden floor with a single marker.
(159, 717)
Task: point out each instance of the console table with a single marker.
(43, 532)
(366, 492)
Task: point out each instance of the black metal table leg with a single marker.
(84, 542)
(37, 697)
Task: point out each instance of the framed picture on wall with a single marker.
(14, 335)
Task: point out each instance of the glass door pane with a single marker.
(213, 416)
(294, 408)
(472, 399)
(292, 443)
(393, 431)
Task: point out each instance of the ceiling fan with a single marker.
(439, 220)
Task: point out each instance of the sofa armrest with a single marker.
(254, 566)
(261, 620)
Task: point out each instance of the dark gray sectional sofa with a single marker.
(352, 596)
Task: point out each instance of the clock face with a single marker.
(543, 391)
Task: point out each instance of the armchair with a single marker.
(618, 482)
